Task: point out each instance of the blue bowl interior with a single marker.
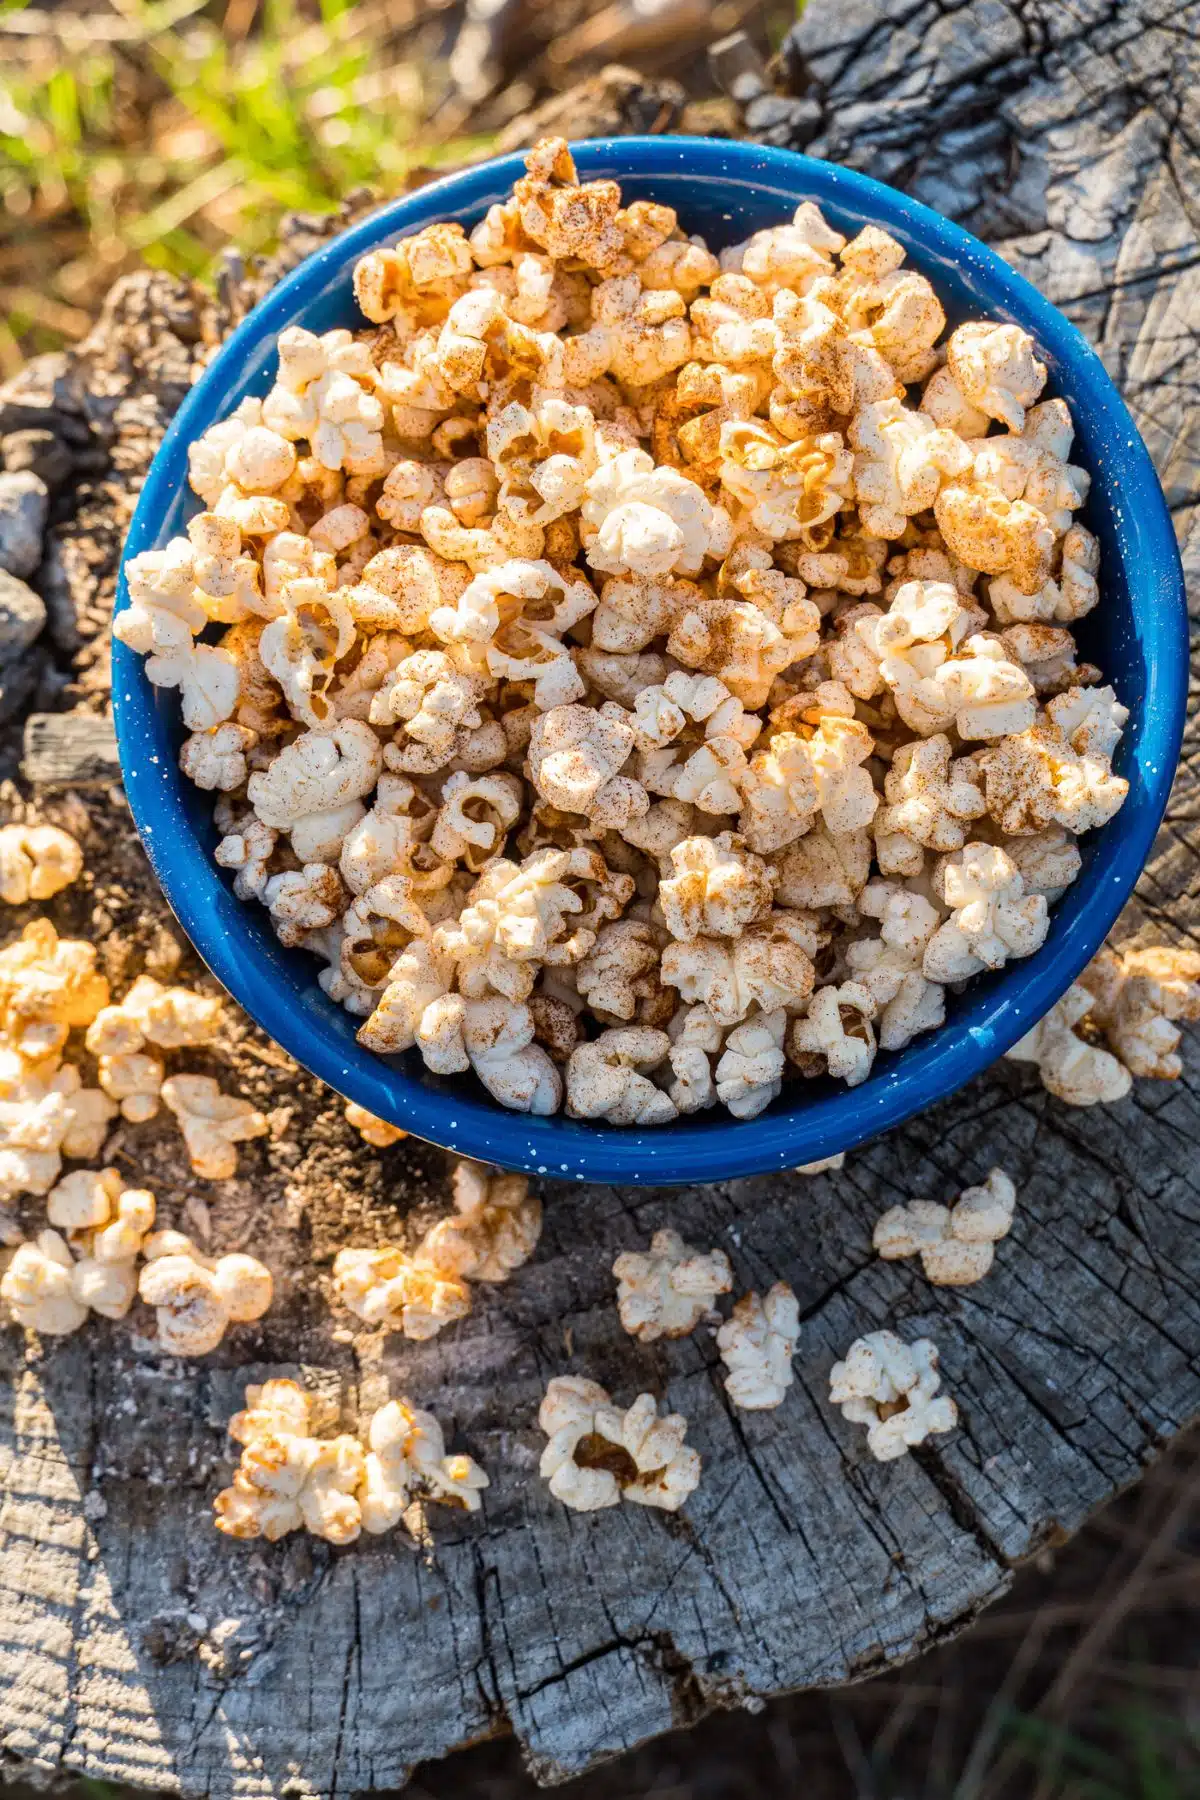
(1137, 635)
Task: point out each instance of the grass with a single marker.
(1144, 1762)
(158, 132)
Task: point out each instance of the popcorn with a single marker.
(288, 1480)
(782, 489)
(38, 1287)
(901, 460)
(49, 980)
(419, 978)
(322, 395)
(1091, 720)
(757, 1343)
(33, 1122)
(160, 623)
(248, 851)
(212, 1123)
(995, 369)
(647, 329)
(812, 763)
(497, 1036)
(717, 889)
(822, 371)
(1070, 597)
(390, 1289)
(494, 1229)
(669, 719)
(956, 1244)
(320, 774)
(597, 546)
(373, 1130)
(1034, 779)
(415, 276)
(1136, 999)
(618, 977)
(835, 1036)
(516, 916)
(575, 756)
(604, 1079)
(216, 758)
(995, 535)
(823, 869)
(891, 966)
(598, 1455)
(639, 520)
(750, 1072)
(197, 1298)
(931, 798)
(36, 862)
(242, 453)
(407, 1459)
(947, 405)
(666, 1291)
(475, 817)
(696, 1038)
(1047, 655)
(769, 965)
(303, 900)
(1073, 1070)
(134, 1081)
(1048, 862)
(991, 918)
(891, 1387)
(303, 646)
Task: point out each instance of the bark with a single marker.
(137, 1645)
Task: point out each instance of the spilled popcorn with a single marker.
(892, 1388)
(289, 1479)
(640, 677)
(956, 1244)
(757, 1342)
(599, 1454)
(666, 1291)
(1117, 1021)
(493, 1230)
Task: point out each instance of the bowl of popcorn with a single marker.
(650, 661)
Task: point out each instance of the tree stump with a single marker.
(135, 1643)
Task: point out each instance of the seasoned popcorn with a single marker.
(288, 1479)
(406, 1460)
(892, 1388)
(196, 1297)
(756, 1343)
(494, 1229)
(388, 1288)
(634, 674)
(1136, 999)
(36, 862)
(1128, 1001)
(39, 1287)
(1073, 1069)
(991, 916)
(956, 1243)
(666, 1291)
(213, 1124)
(598, 1455)
(373, 1130)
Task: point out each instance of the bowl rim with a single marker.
(468, 1121)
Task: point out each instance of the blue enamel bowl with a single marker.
(1137, 635)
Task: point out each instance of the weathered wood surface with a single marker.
(70, 750)
(137, 1645)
